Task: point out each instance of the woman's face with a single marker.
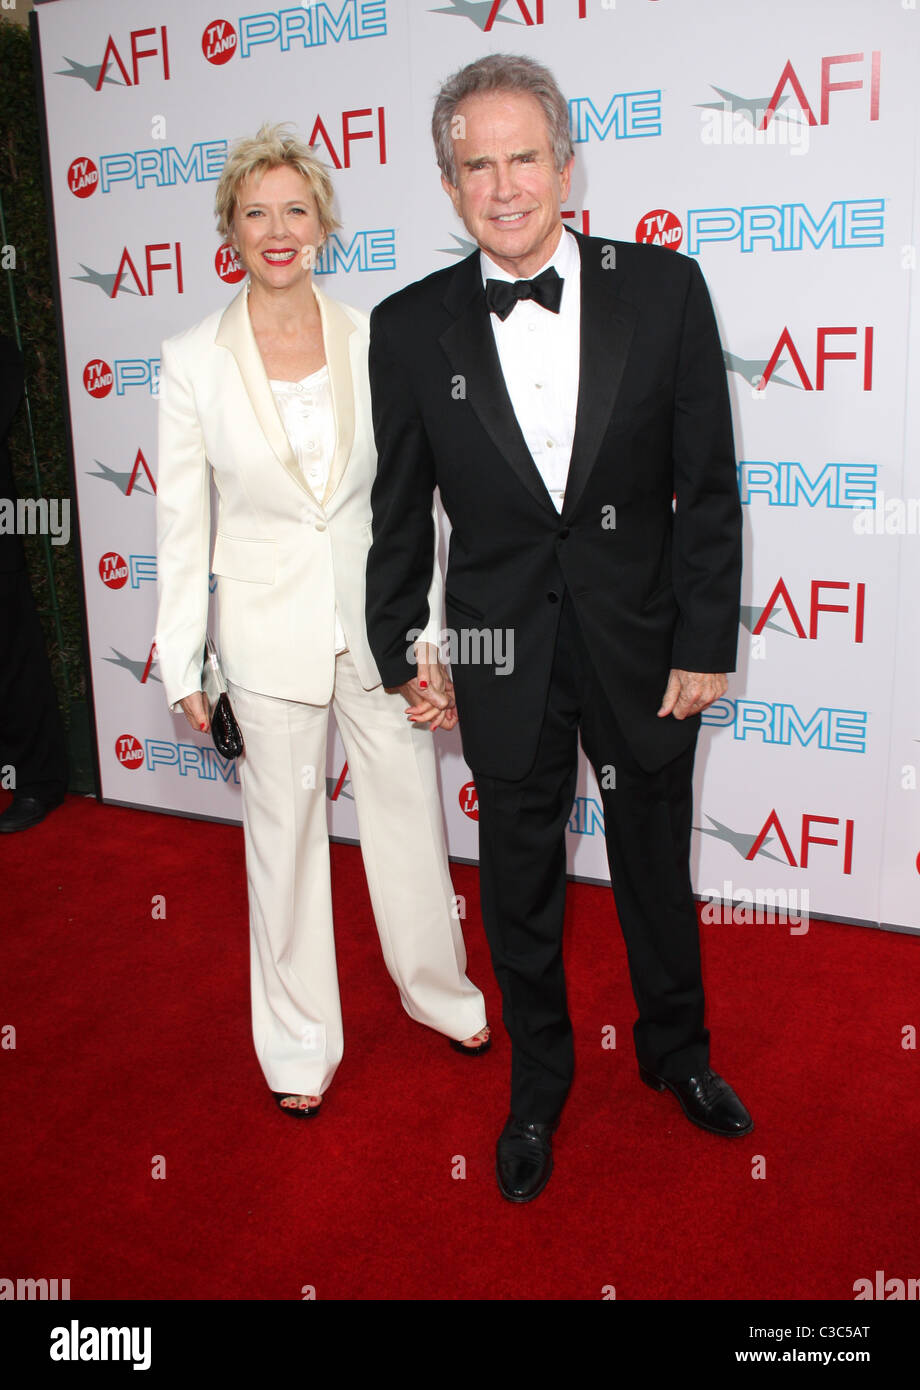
(276, 228)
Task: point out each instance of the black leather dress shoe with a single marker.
(524, 1159)
(707, 1100)
(24, 812)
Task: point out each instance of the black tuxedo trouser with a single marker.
(32, 737)
(523, 879)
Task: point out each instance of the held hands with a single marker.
(430, 695)
(195, 709)
(690, 692)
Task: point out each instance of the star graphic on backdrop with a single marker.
(476, 10)
(137, 668)
(121, 480)
(103, 281)
(750, 616)
(90, 75)
(344, 789)
(462, 248)
(750, 107)
(753, 368)
(738, 839)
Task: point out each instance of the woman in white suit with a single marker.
(271, 397)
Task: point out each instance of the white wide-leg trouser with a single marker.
(296, 1016)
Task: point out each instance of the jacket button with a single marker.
(321, 526)
(564, 533)
(553, 596)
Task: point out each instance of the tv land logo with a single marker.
(115, 571)
(164, 167)
(125, 58)
(660, 228)
(788, 483)
(228, 265)
(825, 728)
(99, 377)
(759, 372)
(756, 619)
(127, 481)
(112, 283)
(469, 800)
(129, 752)
(294, 29)
(774, 833)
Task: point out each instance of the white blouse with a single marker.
(306, 412)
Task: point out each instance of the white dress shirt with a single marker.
(306, 412)
(539, 356)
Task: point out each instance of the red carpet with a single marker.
(132, 1050)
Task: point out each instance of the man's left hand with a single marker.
(690, 692)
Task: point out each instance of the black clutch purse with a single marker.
(225, 731)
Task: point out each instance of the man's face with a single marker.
(509, 192)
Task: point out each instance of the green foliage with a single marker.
(25, 213)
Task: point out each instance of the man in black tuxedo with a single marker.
(567, 395)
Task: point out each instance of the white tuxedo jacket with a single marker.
(284, 558)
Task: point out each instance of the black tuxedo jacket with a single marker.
(648, 544)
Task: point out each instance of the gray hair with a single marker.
(500, 72)
(272, 147)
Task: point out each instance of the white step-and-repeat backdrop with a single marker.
(776, 144)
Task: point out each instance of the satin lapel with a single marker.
(607, 326)
(337, 331)
(235, 333)
(470, 347)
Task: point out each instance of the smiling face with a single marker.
(276, 228)
(509, 192)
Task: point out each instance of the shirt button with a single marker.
(549, 443)
(531, 328)
(553, 596)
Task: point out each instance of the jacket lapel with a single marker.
(607, 326)
(337, 331)
(470, 347)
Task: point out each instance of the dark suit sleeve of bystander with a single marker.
(706, 558)
(400, 561)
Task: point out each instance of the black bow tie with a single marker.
(546, 289)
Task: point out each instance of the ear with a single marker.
(565, 178)
(452, 193)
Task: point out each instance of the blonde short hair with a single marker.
(271, 148)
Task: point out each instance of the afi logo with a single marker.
(98, 377)
(160, 50)
(218, 42)
(469, 801)
(126, 266)
(228, 265)
(660, 228)
(823, 355)
(815, 606)
(807, 839)
(789, 77)
(82, 178)
(129, 751)
(113, 570)
(536, 6)
(377, 133)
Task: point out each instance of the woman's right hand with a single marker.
(195, 709)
